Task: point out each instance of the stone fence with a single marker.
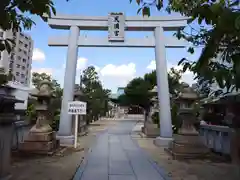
(216, 138)
(21, 128)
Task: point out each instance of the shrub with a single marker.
(31, 112)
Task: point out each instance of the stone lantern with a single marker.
(7, 118)
(41, 138)
(187, 143)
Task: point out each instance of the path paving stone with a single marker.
(116, 157)
(122, 177)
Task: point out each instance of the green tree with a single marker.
(96, 96)
(218, 31)
(174, 77)
(137, 90)
(38, 77)
(15, 16)
(137, 93)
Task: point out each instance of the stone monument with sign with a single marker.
(77, 108)
(41, 138)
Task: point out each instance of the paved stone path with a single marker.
(115, 156)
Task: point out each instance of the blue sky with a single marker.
(116, 66)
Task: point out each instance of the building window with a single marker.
(26, 37)
(22, 75)
(12, 56)
(19, 58)
(20, 42)
(25, 45)
(11, 64)
(24, 60)
(23, 67)
(14, 34)
(18, 65)
(19, 50)
(17, 73)
(25, 52)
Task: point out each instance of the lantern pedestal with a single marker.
(187, 143)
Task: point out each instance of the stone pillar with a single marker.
(6, 132)
(163, 89)
(65, 128)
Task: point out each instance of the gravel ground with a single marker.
(187, 169)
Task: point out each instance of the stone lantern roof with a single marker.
(187, 92)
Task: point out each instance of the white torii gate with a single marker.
(156, 24)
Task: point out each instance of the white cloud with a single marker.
(38, 55)
(97, 68)
(187, 76)
(81, 63)
(119, 71)
(48, 71)
(114, 76)
(152, 65)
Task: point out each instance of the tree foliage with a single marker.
(97, 97)
(203, 88)
(37, 78)
(137, 92)
(15, 16)
(218, 31)
(174, 77)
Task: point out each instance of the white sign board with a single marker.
(77, 107)
(116, 27)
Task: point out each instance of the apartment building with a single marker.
(19, 61)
